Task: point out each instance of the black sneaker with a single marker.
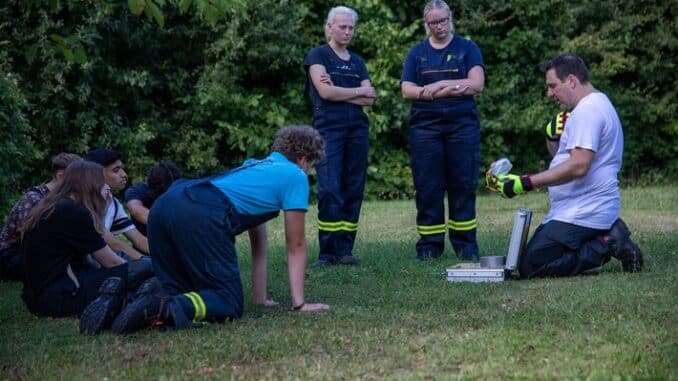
(149, 309)
(99, 314)
(348, 260)
(631, 257)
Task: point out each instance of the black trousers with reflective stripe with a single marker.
(341, 178)
(445, 159)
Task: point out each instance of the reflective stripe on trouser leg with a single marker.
(353, 178)
(341, 182)
(461, 226)
(200, 311)
(347, 226)
(213, 305)
(462, 166)
(427, 154)
(339, 235)
(431, 229)
(330, 200)
(463, 237)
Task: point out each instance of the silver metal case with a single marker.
(521, 228)
(473, 272)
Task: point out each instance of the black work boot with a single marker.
(631, 257)
(149, 309)
(623, 248)
(617, 236)
(99, 314)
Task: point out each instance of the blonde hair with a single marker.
(437, 4)
(333, 14)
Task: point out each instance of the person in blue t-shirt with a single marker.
(192, 229)
(441, 75)
(339, 87)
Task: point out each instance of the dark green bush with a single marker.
(208, 86)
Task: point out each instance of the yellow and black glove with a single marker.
(510, 185)
(555, 127)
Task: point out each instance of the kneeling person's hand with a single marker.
(510, 185)
(555, 127)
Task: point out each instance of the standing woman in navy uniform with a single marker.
(339, 87)
(441, 75)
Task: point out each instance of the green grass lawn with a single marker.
(393, 318)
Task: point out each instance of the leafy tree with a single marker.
(16, 149)
(206, 83)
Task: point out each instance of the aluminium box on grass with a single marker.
(473, 272)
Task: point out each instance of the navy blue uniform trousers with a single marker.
(445, 158)
(191, 235)
(341, 176)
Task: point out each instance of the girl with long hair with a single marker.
(56, 238)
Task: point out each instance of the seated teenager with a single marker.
(116, 220)
(57, 236)
(140, 197)
(10, 256)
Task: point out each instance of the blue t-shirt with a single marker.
(264, 186)
(342, 73)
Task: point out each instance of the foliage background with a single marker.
(207, 83)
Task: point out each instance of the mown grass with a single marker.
(393, 318)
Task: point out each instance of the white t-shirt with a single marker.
(591, 201)
(117, 221)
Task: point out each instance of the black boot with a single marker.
(99, 314)
(623, 248)
(149, 309)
